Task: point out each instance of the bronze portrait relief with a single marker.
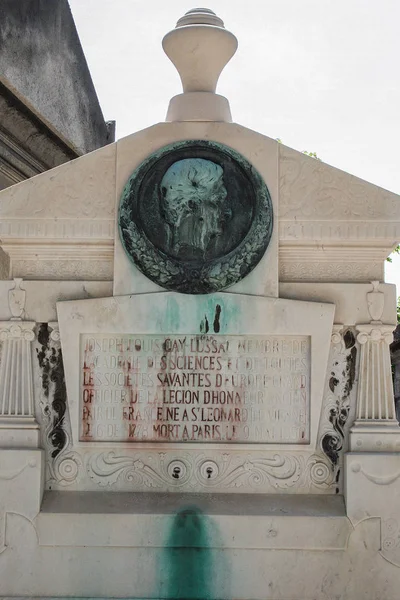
(195, 217)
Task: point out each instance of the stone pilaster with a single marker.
(376, 428)
(18, 426)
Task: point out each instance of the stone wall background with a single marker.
(43, 63)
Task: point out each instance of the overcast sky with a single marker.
(322, 75)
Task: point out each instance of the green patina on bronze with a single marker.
(195, 217)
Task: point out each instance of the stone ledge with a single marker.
(249, 505)
(144, 519)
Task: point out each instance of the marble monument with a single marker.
(196, 397)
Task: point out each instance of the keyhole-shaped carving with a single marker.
(209, 472)
(176, 472)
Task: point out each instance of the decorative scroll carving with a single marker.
(54, 395)
(65, 469)
(340, 384)
(21, 331)
(275, 471)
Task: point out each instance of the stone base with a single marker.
(375, 436)
(93, 519)
(21, 488)
(19, 432)
(199, 106)
(99, 545)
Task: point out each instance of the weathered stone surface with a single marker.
(272, 506)
(42, 61)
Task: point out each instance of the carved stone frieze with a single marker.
(141, 470)
(339, 231)
(345, 271)
(86, 270)
(31, 228)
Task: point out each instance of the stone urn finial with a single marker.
(199, 47)
(375, 302)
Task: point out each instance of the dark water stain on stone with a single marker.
(350, 370)
(333, 381)
(217, 325)
(331, 445)
(333, 441)
(187, 568)
(44, 365)
(349, 339)
(52, 372)
(204, 325)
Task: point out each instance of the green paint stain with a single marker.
(221, 311)
(172, 315)
(187, 558)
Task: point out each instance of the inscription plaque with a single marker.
(195, 388)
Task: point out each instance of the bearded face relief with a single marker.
(195, 207)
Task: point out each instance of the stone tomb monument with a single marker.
(195, 387)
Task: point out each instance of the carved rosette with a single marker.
(54, 331)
